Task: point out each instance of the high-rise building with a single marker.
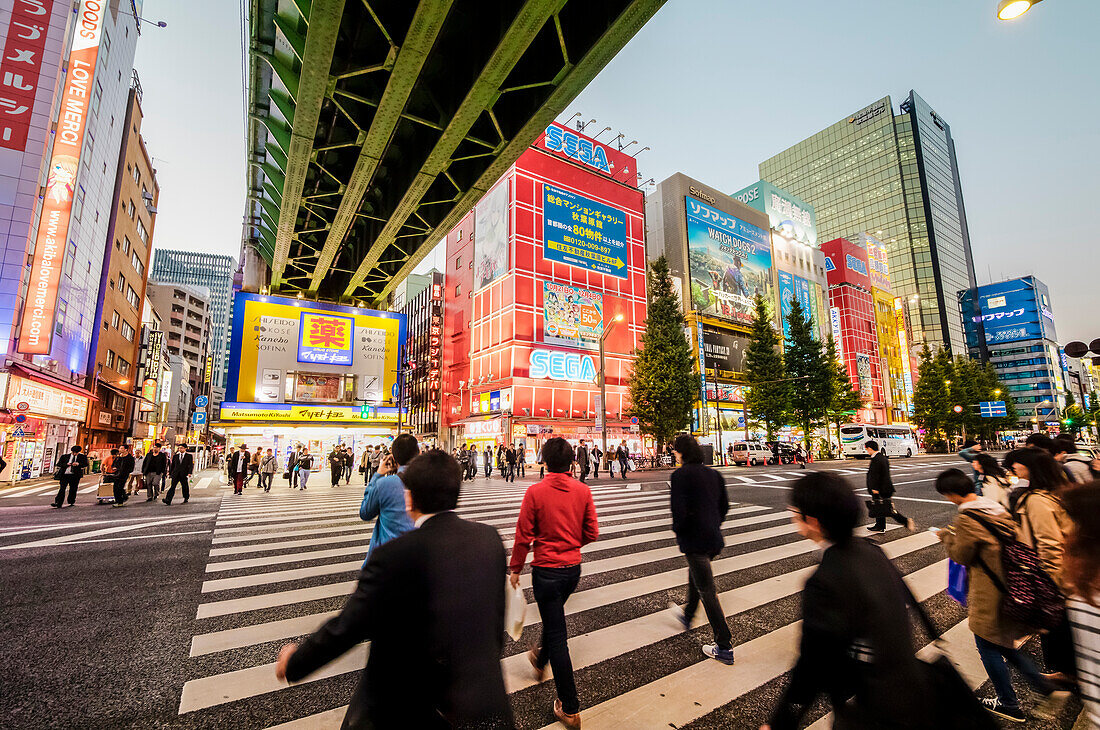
(1011, 324)
(896, 177)
(185, 317)
(215, 272)
(896, 365)
(64, 84)
(423, 356)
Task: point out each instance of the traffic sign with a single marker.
(201, 401)
(395, 390)
(198, 418)
(993, 408)
(22, 406)
(20, 418)
(18, 432)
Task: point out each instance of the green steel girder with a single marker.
(277, 156)
(275, 194)
(286, 74)
(275, 176)
(532, 16)
(324, 25)
(280, 133)
(269, 207)
(284, 104)
(297, 41)
(426, 24)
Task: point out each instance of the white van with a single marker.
(751, 453)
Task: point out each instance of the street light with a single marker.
(1012, 9)
(603, 382)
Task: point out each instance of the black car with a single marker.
(782, 452)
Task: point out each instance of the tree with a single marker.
(767, 397)
(843, 400)
(664, 385)
(1073, 416)
(930, 397)
(807, 371)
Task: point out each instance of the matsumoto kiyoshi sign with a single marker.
(325, 338)
(582, 232)
(729, 262)
(558, 365)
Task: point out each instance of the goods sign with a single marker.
(46, 399)
(298, 412)
(20, 68)
(572, 317)
(563, 142)
(725, 392)
(166, 387)
(156, 352)
(863, 369)
(903, 345)
(149, 393)
(37, 328)
(325, 338)
(725, 352)
(729, 262)
(491, 236)
(557, 365)
(494, 427)
(494, 400)
(876, 262)
(1010, 316)
(834, 321)
(584, 233)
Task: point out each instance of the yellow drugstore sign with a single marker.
(284, 412)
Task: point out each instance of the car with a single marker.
(784, 449)
(1092, 451)
(751, 453)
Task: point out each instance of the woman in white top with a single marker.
(1081, 572)
(136, 482)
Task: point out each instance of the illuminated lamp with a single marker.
(1012, 9)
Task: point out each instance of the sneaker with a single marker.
(533, 657)
(1049, 707)
(679, 616)
(910, 525)
(723, 655)
(569, 720)
(1013, 714)
(876, 529)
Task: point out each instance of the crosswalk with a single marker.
(282, 563)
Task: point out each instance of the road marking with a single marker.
(65, 539)
(141, 537)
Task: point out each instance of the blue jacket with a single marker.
(385, 499)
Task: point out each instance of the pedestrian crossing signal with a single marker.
(366, 411)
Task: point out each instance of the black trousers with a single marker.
(335, 474)
(119, 484)
(622, 468)
(1057, 646)
(898, 517)
(701, 588)
(71, 481)
(552, 588)
(182, 481)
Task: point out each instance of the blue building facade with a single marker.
(1011, 325)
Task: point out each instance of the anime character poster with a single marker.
(572, 317)
(491, 236)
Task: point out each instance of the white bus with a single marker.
(893, 440)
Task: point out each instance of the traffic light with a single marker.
(366, 411)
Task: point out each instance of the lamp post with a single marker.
(600, 412)
(1012, 9)
(1038, 406)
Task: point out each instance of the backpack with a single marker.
(1029, 595)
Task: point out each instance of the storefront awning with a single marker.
(50, 380)
(124, 393)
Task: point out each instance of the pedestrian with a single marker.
(502, 461)
(335, 465)
(1042, 523)
(180, 470)
(488, 461)
(109, 467)
(974, 540)
(521, 459)
(384, 498)
(237, 468)
(431, 603)
(542, 466)
(364, 466)
(136, 482)
(881, 487)
(800, 457)
(464, 461)
(305, 466)
(969, 453)
(70, 470)
(1074, 463)
(510, 464)
(124, 467)
(558, 516)
(1040, 441)
(349, 462)
(253, 468)
(1082, 581)
(992, 479)
(473, 452)
(375, 460)
(623, 455)
(729, 454)
(857, 643)
(596, 456)
(583, 460)
(699, 506)
(292, 465)
(155, 468)
(269, 464)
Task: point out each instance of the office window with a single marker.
(121, 282)
(458, 290)
(130, 209)
(125, 245)
(123, 368)
(68, 267)
(97, 96)
(78, 203)
(132, 297)
(62, 306)
(137, 175)
(142, 234)
(136, 261)
(127, 331)
(109, 360)
(115, 319)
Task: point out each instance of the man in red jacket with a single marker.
(558, 516)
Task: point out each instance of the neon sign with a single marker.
(557, 365)
(579, 148)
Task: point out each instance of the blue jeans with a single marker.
(996, 659)
(552, 587)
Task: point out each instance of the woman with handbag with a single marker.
(974, 540)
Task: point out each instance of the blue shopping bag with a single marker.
(958, 581)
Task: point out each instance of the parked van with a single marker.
(751, 453)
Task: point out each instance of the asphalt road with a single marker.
(153, 616)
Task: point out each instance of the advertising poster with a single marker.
(1010, 316)
(725, 352)
(572, 317)
(491, 237)
(274, 337)
(729, 262)
(876, 261)
(792, 288)
(789, 216)
(863, 369)
(583, 233)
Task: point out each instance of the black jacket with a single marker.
(699, 505)
(431, 602)
(80, 466)
(124, 465)
(878, 476)
(155, 463)
(856, 642)
(182, 465)
(234, 458)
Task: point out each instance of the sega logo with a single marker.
(857, 265)
(557, 365)
(578, 148)
(829, 265)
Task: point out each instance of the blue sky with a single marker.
(715, 87)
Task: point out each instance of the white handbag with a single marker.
(515, 610)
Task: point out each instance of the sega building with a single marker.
(853, 325)
(550, 261)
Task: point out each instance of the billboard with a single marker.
(863, 370)
(285, 350)
(582, 232)
(572, 317)
(21, 67)
(563, 142)
(491, 236)
(36, 333)
(1010, 316)
(878, 268)
(903, 345)
(729, 262)
(793, 287)
(725, 352)
(788, 215)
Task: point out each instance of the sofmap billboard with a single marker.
(792, 288)
(572, 317)
(40, 308)
(491, 236)
(729, 262)
(582, 232)
(1010, 316)
(285, 350)
(788, 215)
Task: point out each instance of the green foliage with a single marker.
(664, 385)
(811, 388)
(767, 399)
(842, 399)
(930, 396)
(945, 384)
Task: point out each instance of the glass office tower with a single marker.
(894, 176)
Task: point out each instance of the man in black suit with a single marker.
(431, 602)
(183, 464)
(582, 462)
(857, 642)
(70, 470)
(881, 487)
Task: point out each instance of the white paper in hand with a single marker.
(515, 610)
